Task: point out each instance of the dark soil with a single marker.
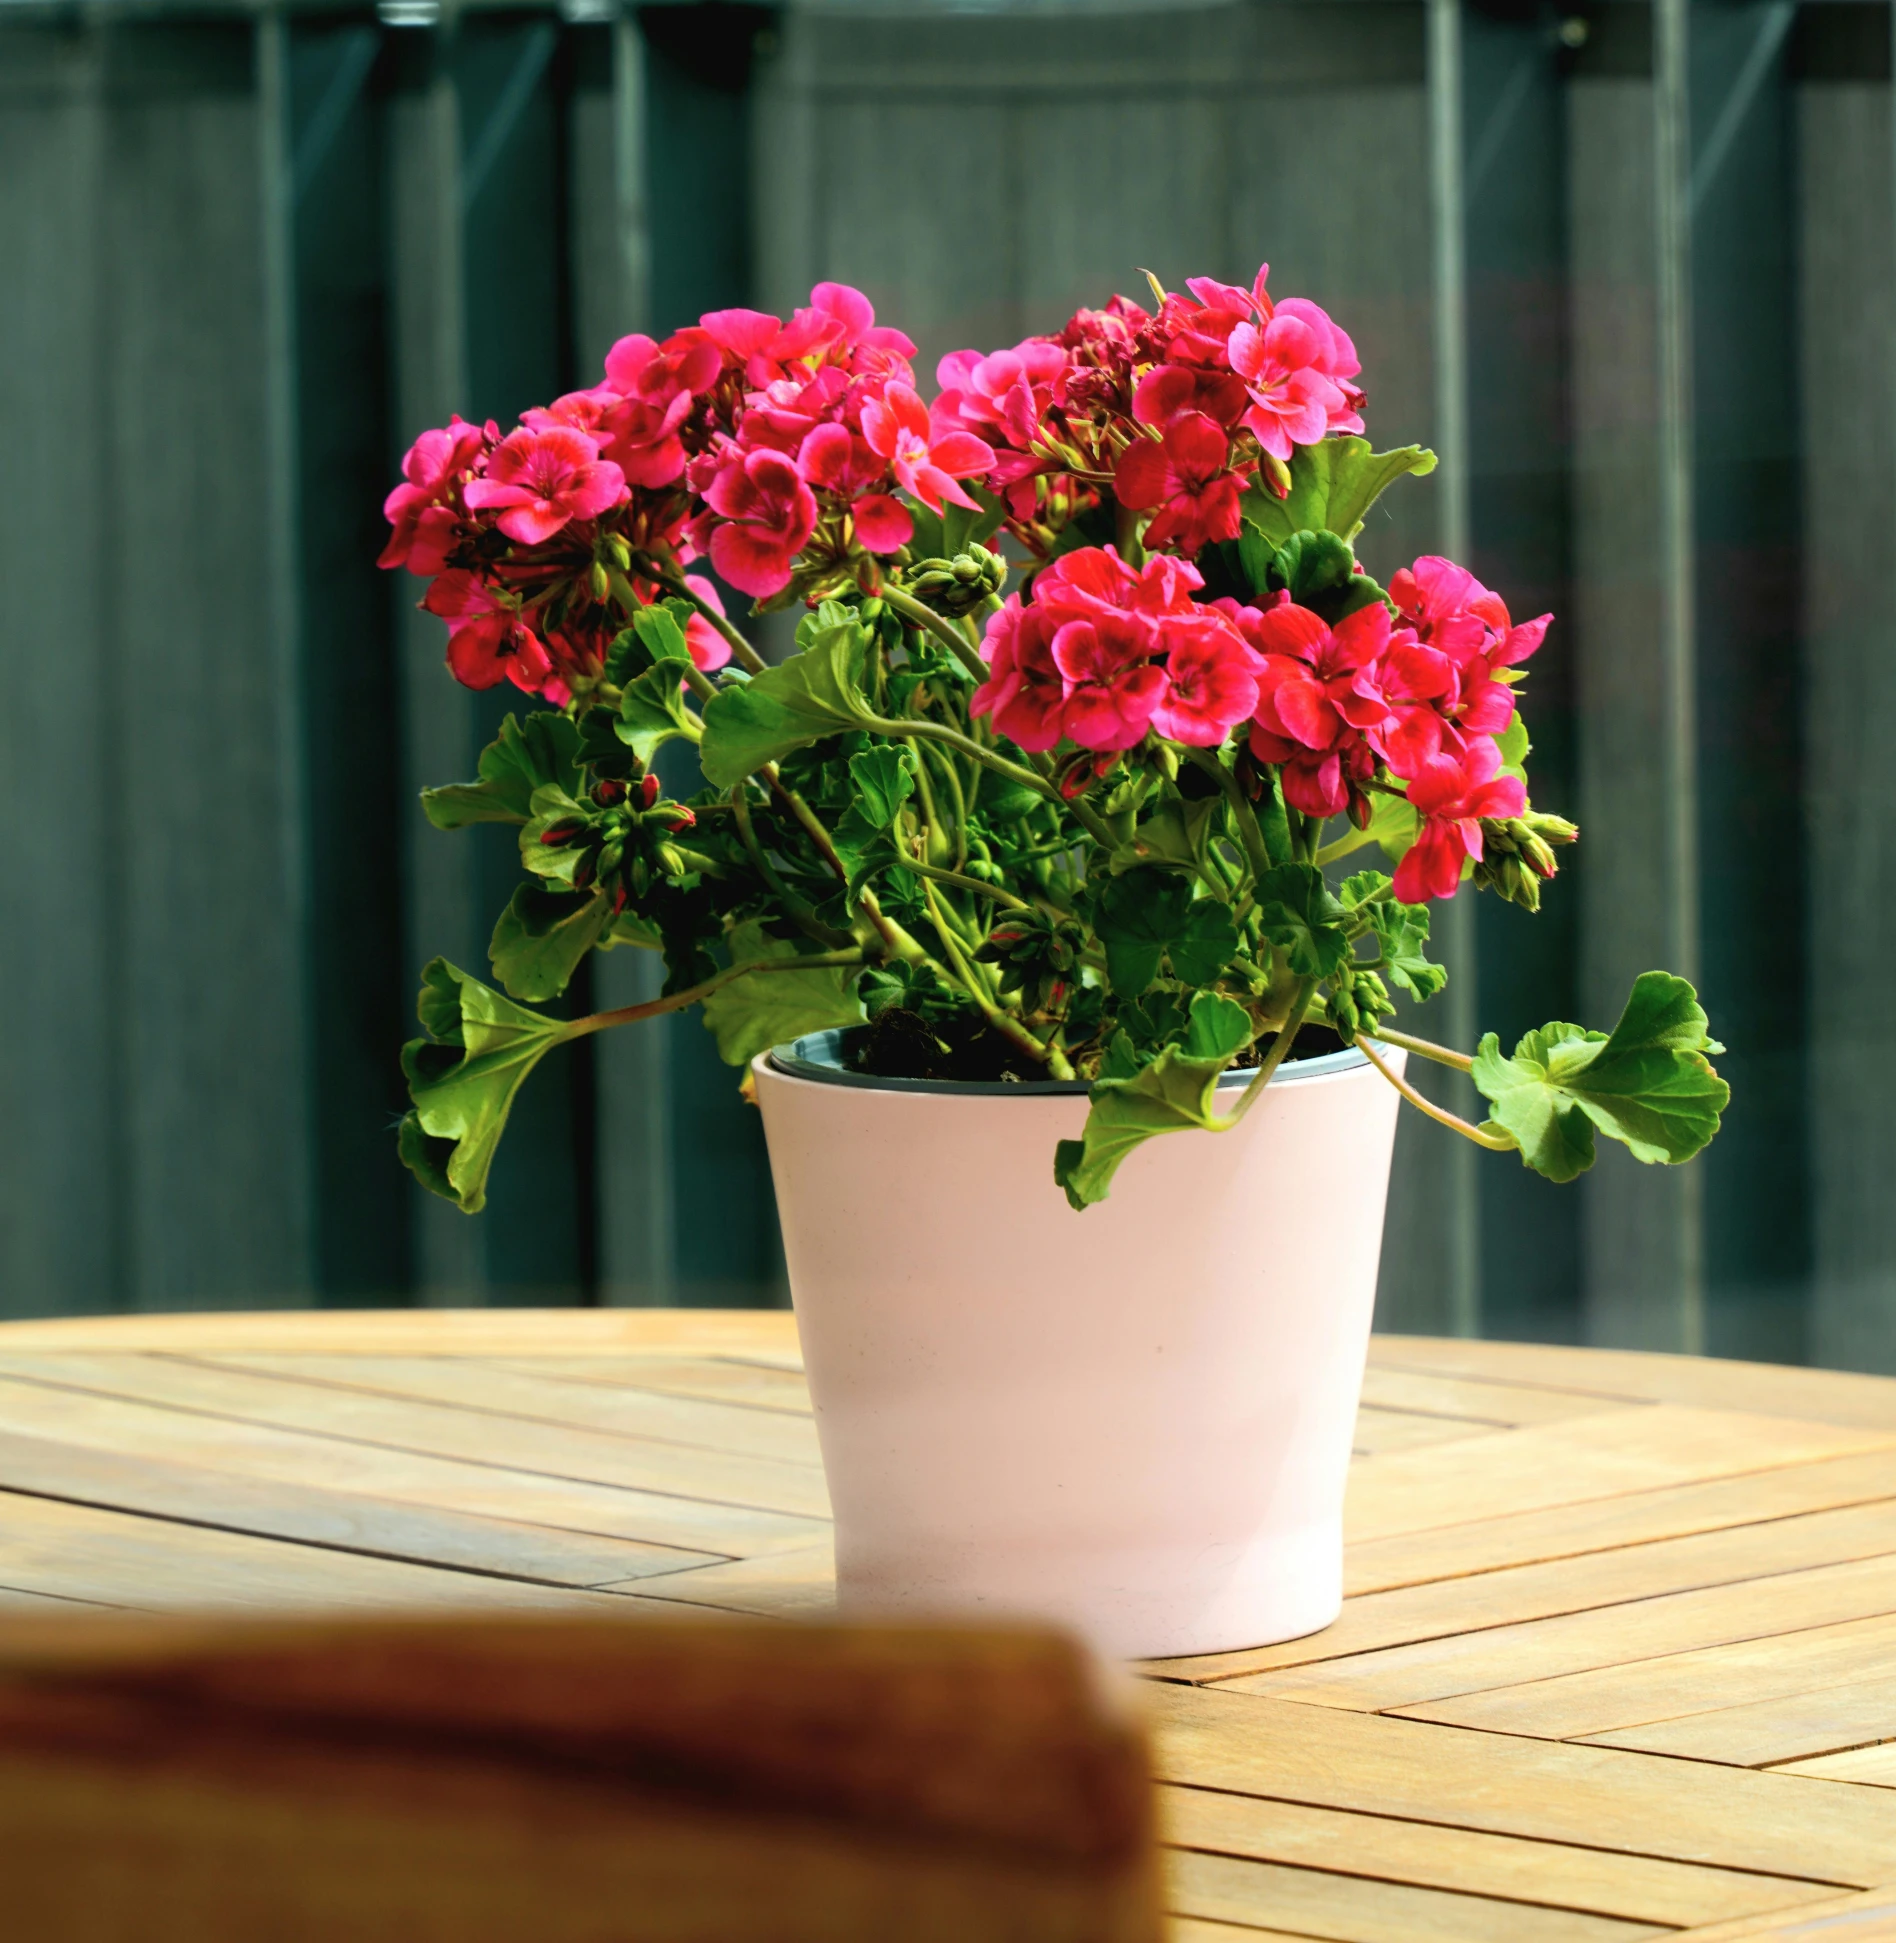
(898, 1044)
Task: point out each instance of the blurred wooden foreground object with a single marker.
(549, 1780)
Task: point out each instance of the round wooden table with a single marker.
(1619, 1657)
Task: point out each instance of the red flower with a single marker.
(1451, 795)
(1025, 691)
(1111, 689)
(487, 640)
(1210, 682)
(897, 428)
(544, 480)
(1094, 583)
(1186, 473)
(709, 649)
(766, 513)
(1291, 398)
(832, 459)
(1310, 716)
(422, 511)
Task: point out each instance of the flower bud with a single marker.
(569, 829)
(609, 794)
(601, 586)
(621, 553)
(648, 792)
(958, 586)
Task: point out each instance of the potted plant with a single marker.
(1041, 844)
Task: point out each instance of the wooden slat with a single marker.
(1505, 1405)
(695, 1424)
(1637, 1888)
(1411, 1676)
(1869, 1918)
(1769, 1733)
(439, 1430)
(1603, 1524)
(718, 1380)
(770, 1334)
(1638, 1804)
(1194, 1929)
(1399, 1430)
(1601, 1455)
(782, 1585)
(1571, 1706)
(1770, 1389)
(79, 1552)
(1872, 1766)
(1458, 1607)
(1360, 1910)
(449, 1484)
(229, 1500)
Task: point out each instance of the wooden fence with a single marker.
(1629, 268)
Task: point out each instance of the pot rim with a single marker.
(813, 1057)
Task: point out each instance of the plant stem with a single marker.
(1343, 846)
(799, 908)
(1442, 1055)
(1250, 834)
(668, 575)
(961, 883)
(969, 980)
(678, 1001)
(943, 629)
(1495, 1143)
(1280, 1047)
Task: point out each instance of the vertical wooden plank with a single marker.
(1635, 1218)
(326, 158)
(1748, 694)
(62, 938)
(212, 1071)
(1846, 226)
(1519, 515)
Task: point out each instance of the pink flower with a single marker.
(1186, 474)
(1413, 684)
(654, 387)
(1001, 397)
(1451, 795)
(1111, 689)
(487, 640)
(766, 513)
(1291, 397)
(1336, 358)
(896, 426)
(1025, 692)
(1454, 613)
(1210, 683)
(832, 459)
(422, 510)
(1310, 717)
(543, 480)
(1094, 583)
(709, 649)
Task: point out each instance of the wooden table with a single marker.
(1619, 1657)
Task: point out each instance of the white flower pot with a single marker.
(1136, 1419)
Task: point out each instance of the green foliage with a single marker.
(1648, 1085)
(1176, 1090)
(661, 630)
(815, 694)
(522, 758)
(541, 937)
(463, 1078)
(1303, 919)
(1140, 914)
(884, 782)
(652, 710)
(1205, 944)
(764, 1009)
(1332, 486)
(1402, 930)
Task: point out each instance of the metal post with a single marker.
(1454, 920)
(1672, 224)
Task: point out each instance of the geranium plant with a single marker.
(1093, 826)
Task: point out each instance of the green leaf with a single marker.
(961, 528)
(1393, 824)
(521, 759)
(463, 1078)
(765, 1009)
(1174, 1092)
(661, 627)
(541, 937)
(1403, 930)
(551, 805)
(814, 694)
(1332, 485)
(884, 782)
(1140, 913)
(1313, 563)
(1220, 1028)
(1648, 1085)
(1207, 944)
(652, 711)
(1302, 919)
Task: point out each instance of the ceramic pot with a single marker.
(1136, 1419)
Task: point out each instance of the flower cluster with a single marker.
(1170, 412)
(773, 450)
